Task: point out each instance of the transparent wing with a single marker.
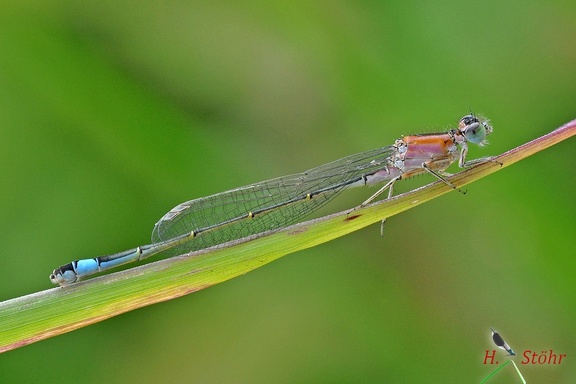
(270, 204)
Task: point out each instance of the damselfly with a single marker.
(500, 343)
(279, 202)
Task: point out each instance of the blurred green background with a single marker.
(111, 114)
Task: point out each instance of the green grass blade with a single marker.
(494, 372)
(519, 374)
(37, 316)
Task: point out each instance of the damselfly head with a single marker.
(475, 129)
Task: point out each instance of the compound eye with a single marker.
(467, 120)
(475, 132)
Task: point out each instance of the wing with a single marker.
(267, 205)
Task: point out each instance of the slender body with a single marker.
(279, 202)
